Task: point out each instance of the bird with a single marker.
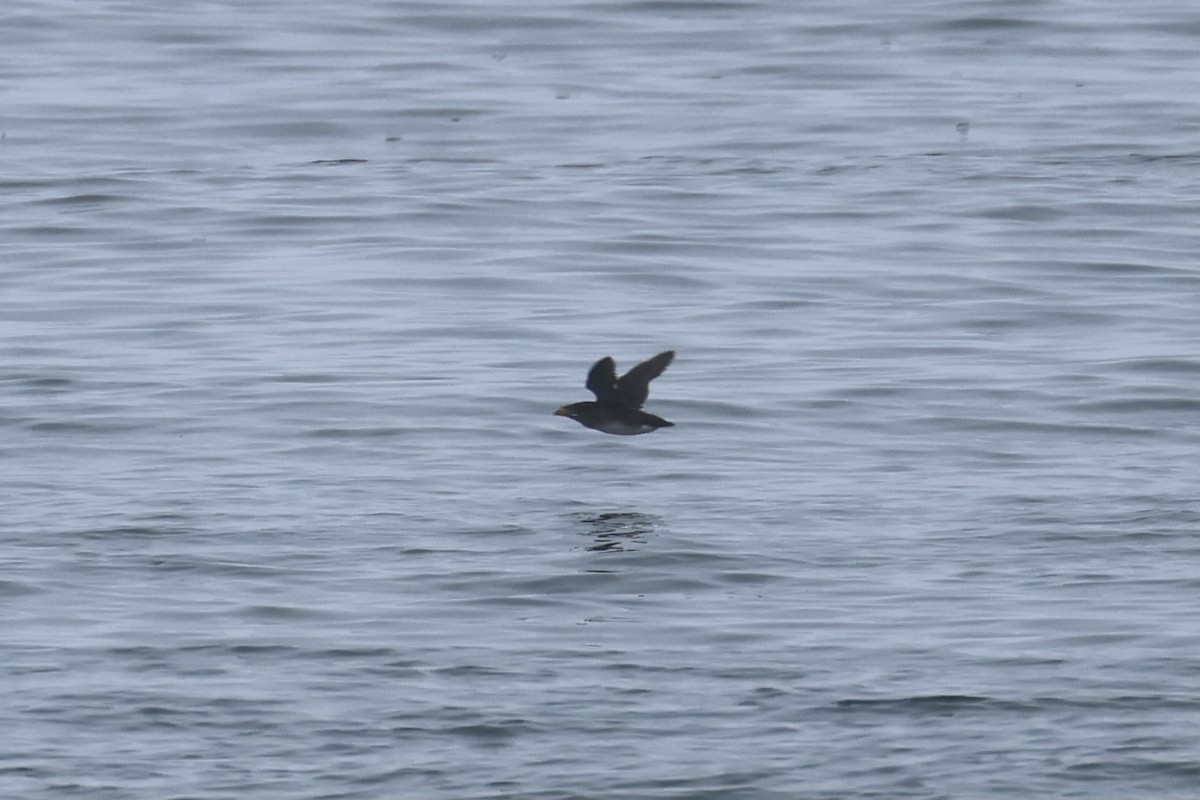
(617, 408)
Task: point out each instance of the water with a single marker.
(290, 292)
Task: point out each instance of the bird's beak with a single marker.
(562, 412)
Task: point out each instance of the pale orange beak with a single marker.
(562, 412)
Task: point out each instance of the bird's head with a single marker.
(570, 411)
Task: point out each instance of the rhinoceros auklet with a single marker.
(618, 405)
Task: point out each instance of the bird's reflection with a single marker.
(617, 530)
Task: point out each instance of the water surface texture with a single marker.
(290, 291)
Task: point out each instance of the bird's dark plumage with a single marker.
(617, 408)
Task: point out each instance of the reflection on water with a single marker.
(617, 530)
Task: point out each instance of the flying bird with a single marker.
(617, 408)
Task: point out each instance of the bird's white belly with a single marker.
(623, 429)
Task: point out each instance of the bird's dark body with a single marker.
(617, 408)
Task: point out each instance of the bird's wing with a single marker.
(634, 385)
(602, 379)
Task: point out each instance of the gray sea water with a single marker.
(290, 291)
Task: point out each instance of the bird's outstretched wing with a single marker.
(602, 379)
(634, 386)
